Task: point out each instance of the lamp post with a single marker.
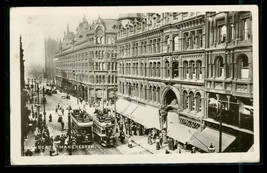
(220, 125)
(69, 131)
(44, 100)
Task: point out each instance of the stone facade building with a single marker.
(86, 61)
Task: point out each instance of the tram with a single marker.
(104, 129)
(82, 127)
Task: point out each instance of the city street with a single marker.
(56, 129)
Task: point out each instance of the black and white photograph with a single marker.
(122, 85)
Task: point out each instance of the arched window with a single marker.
(219, 67)
(167, 71)
(123, 90)
(129, 89)
(136, 66)
(192, 69)
(175, 69)
(122, 68)
(158, 69)
(222, 33)
(185, 100)
(158, 93)
(154, 69)
(150, 69)
(191, 101)
(145, 69)
(154, 94)
(199, 69)
(186, 71)
(145, 94)
(141, 91)
(243, 67)
(141, 69)
(150, 93)
(198, 102)
(176, 43)
(136, 90)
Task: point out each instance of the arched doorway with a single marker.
(170, 98)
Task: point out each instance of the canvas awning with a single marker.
(178, 131)
(122, 105)
(130, 109)
(147, 116)
(209, 136)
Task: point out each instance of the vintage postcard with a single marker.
(139, 84)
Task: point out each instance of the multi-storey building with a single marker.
(190, 75)
(229, 79)
(86, 63)
(161, 67)
(51, 47)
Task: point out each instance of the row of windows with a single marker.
(153, 22)
(222, 69)
(105, 66)
(191, 40)
(220, 32)
(144, 92)
(105, 79)
(191, 102)
(190, 69)
(103, 40)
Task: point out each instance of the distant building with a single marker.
(51, 47)
(22, 67)
(86, 60)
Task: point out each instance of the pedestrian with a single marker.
(58, 106)
(157, 143)
(50, 118)
(149, 139)
(62, 110)
(130, 145)
(56, 110)
(62, 125)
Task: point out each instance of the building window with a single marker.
(245, 29)
(176, 43)
(175, 69)
(191, 101)
(222, 33)
(243, 67)
(199, 70)
(185, 100)
(219, 67)
(158, 69)
(141, 69)
(167, 71)
(186, 74)
(198, 102)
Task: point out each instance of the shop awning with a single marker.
(121, 105)
(178, 131)
(130, 109)
(209, 136)
(147, 116)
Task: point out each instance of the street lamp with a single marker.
(69, 131)
(44, 100)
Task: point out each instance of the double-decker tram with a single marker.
(104, 128)
(82, 127)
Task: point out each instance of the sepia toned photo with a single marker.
(120, 85)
